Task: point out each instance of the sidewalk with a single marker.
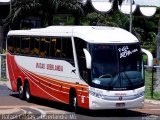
(155, 102)
(9, 110)
(3, 82)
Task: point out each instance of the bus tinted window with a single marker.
(25, 45)
(44, 47)
(58, 48)
(52, 47)
(80, 45)
(36, 46)
(31, 52)
(66, 50)
(10, 44)
(17, 45)
(47, 46)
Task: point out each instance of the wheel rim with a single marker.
(27, 94)
(20, 90)
(74, 102)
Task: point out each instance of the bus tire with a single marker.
(21, 92)
(74, 104)
(27, 92)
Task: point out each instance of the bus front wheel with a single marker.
(27, 92)
(74, 104)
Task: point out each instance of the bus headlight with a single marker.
(140, 94)
(97, 94)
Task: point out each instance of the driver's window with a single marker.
(80, 44)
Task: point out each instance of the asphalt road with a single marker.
(45, 109)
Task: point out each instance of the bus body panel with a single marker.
(91, 34)
(53, 78)
(43, 79)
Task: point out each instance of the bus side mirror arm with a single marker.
(88, 58)
(150, 57)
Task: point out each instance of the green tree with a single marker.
(146, 30)
(45, 9)
(116, 19)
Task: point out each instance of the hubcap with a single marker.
(74, 101)
(20, 89)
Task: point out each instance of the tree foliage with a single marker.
(117, 19)
(146, 30)
(45, 9)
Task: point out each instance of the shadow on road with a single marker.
(93, 113)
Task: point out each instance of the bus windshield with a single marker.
(116, 67)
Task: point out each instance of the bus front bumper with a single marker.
(100, 104)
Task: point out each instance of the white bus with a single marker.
(92, 67)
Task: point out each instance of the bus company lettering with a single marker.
(54, 67)
(49, 67)
(40, 65)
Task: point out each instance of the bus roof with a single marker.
(91, 34)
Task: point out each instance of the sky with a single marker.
(148, 2)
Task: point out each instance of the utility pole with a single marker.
(10, 7)
(158, 57)
(130, 26)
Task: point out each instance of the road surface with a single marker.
(45, 109)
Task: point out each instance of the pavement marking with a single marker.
(43, 113)
(17, 117)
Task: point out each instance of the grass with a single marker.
(148, 84)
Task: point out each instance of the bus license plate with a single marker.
(120, 104)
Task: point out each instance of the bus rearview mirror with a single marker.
(150, 57)
(88, 58)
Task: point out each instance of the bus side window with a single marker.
(31, 46)
(42, 47)
(58, 48)
(10, 44)
(36, 46)
(17, 45)
(84, 72)
(67, 51)
(47, 46)
(52, 47)
(25, 45)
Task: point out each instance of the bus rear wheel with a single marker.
(21, 92)
(27, 92)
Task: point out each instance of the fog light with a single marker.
(93, 103)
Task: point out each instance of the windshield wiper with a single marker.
(129, 80)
